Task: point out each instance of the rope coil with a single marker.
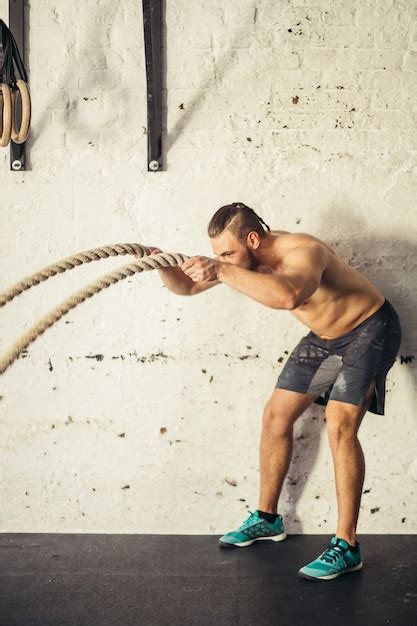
(150, 262)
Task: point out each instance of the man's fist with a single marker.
(201, 268)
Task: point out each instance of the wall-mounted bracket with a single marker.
(16, 25)
(152, 27)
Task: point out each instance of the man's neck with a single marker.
(268, 252)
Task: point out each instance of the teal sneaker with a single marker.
(338, 558)
(254, 528)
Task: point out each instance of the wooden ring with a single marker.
(5, 115)
(21, 135)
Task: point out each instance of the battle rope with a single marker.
(150, 262)
(118, 249)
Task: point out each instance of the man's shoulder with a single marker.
(306, 251)
(290, 241)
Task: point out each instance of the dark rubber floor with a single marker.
(179, 580)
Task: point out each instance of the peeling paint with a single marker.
(150, 358)
(248, 356)
(97, 357)
(407, 359)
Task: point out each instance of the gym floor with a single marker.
(158, 580)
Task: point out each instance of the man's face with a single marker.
(229, 249)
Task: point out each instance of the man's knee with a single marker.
(343, 421)
(276, 419)
(341, 429)
(283, 408)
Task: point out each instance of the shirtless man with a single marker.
(341, 363)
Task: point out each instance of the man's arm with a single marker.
(176, 281)
(302, 269)
(270, 290)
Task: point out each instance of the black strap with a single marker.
(10, 54)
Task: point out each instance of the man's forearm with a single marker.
(176, 281)
(271, 291)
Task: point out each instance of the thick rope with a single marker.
(151, 262)
(69, 263)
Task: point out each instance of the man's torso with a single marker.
(344, 298)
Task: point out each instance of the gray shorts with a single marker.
(343, 368)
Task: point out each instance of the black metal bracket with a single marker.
(16, 25)
(152, 27)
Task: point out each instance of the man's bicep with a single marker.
(304, 267)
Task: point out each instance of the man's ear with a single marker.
(253, 240)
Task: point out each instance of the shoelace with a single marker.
(248, 521)
(332, 553)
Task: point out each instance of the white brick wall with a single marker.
(305, 111)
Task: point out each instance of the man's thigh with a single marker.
(288, 404)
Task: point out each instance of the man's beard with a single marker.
(252, 260)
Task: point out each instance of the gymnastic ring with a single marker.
(5, 115)
(21, 135)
